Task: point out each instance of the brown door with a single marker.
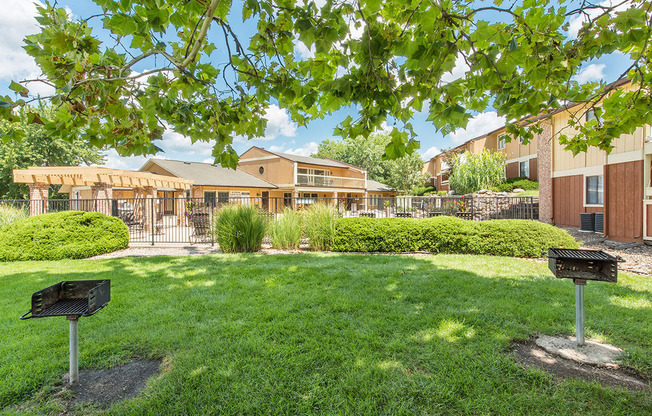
(265, 201)
(623, 186)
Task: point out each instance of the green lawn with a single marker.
(323, 334)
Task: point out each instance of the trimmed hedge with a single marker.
(510, 184)
(62, 235)
(517, 238)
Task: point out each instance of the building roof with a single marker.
(375, 186)
(207, 174)
(309, 160)
(567, 106)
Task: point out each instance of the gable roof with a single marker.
(309, 160)
(208, 174)
(376, 186)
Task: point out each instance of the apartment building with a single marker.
(617, 184)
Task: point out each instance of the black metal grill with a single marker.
(70, 298)
(583, 264)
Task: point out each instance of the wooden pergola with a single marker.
(93, 175)
(101, 181)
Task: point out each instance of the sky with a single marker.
(282, 135)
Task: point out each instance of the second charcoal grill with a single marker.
(582, 265)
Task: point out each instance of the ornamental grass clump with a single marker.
(473, 172)
(285, 232)
(9, 215)
(319, 225)
(239, 228)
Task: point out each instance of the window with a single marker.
(594, 190)
(313, 177)
(261, 170)
(524, 169)
(209, 197)
(502, 141)
(223, 197)
(590, 114)
(287, 199)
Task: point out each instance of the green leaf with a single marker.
(19, 89)
(121, 24)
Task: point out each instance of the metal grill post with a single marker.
(579, 311)
(74, 349)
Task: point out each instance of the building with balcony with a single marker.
(311, 179)
(616, 184)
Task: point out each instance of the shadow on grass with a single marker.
(322, 333)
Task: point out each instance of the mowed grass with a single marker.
(322, 334)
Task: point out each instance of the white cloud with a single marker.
(175, 143)
(430, 153)
(305, 150)
(593, 72)
(385, 128)
(115, 161)
(302, 50)
(278, 123)
(481, 124)
(458, 71)
(17, 21)
(576, 23)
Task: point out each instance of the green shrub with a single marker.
(239, 228)
(517, 238)
(62, 235)
(473, 172)
(512, 183)
(442, 193)
(9, 215)
(422, 190)
(285, 232)
(319, 225)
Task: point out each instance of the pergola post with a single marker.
(181, 206)
(102, 194)
(38, 195)
(295, 199)
(335, 200)
(150, 206)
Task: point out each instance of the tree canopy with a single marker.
(388, 59)
(37, 148)
(368, 153)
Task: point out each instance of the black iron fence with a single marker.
(189, 220)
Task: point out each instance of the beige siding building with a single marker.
(617, 185)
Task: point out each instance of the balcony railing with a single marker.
(329, 181)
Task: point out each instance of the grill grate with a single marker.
(64, 307)
(580, 255)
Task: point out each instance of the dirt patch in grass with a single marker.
(530, 355)
(104, 387)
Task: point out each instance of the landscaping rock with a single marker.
(518, 190)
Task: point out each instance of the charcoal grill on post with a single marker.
(582, 265)
(72, 299)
